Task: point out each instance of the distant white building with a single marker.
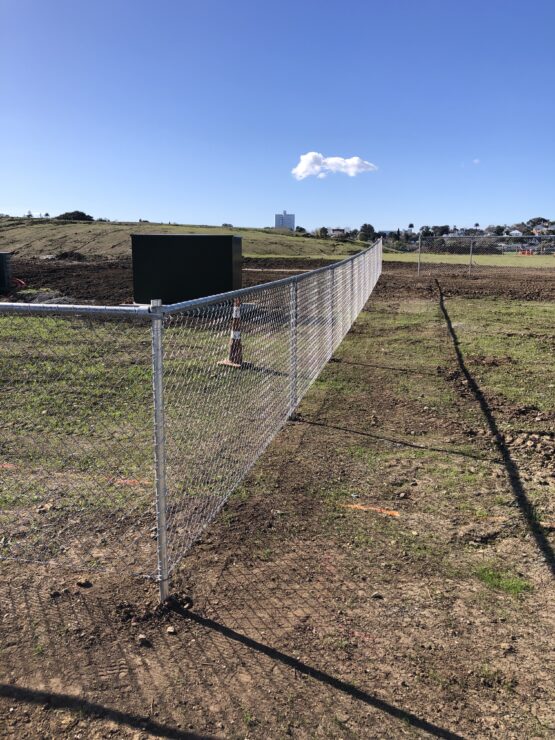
(285, 221)
(515, 232)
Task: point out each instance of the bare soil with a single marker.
(110, 282)
(335, 596)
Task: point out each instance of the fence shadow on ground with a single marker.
(51, 700)
(234, 651)
(318, 675)
(382, 438)
(408, 370)
(511, 468)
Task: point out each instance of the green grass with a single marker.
(76, 419)
(503, 581)
(508, 346)
(484, 260)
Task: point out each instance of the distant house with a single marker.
(515, 232)
(337, 233)
(285, 221)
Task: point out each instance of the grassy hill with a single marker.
(27, 237)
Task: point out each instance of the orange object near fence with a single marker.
(366, 507)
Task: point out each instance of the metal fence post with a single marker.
(470, 258)
(352, 294)
(293, 329)
(419, 251)
(159, 445)
(332, 272)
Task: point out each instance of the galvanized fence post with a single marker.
(352, 294)
(332, 273)
(331, 289)
(470, 257)
(293, 329)
(159, 445)
(419, 251)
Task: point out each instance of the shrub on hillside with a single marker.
(74, 216)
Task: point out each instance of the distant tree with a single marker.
(440, 230)
(227, 226)
(46, 215)
(533, 222)
(426, 231)
(476, 225)
(498, 230)
(323, 233)
(411, 226)
(366, 233)
(29, 214)
(74, 216)
(300, 230)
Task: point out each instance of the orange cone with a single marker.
(235, 358)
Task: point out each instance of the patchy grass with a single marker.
(424, 611)
(509, 348)
(503, 581)
(483, 260)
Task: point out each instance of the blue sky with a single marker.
(196, 112)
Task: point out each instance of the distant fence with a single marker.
(125, 429)
(465, 253)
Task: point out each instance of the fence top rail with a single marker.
(476, 237)
(146, 310)
(73, 309)
(223, 297)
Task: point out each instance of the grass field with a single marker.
(385, 570)
(484, 260)
(35, 238)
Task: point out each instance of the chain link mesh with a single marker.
(76, 463)
(220, 418)
(467, 253)
(79, 485)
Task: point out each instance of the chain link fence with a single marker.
(465, 254)
(88, 392)
(76, 465)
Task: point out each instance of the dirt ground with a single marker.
(380, 574)
(110, 282)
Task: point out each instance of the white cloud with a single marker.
(476, 161)
(314, 164)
